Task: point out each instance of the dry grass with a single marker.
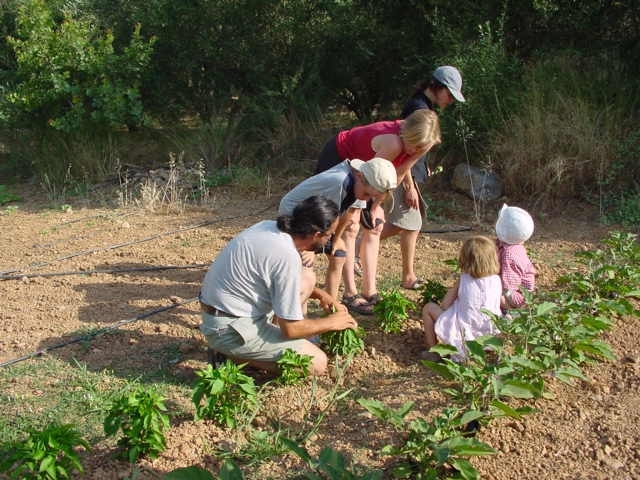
(563, 142)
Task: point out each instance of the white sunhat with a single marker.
(378, 172)
(450, 77)
(514, 225)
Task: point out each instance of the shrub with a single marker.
(222, 394)
(392, 310)
(294, 367)
(49, 454)
(140, 415)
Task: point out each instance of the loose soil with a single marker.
(591, 430)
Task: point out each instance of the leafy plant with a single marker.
(49, 454)
(392, 310)
(140, 415)
(331, 465)
(228, 471)
(345, 342)
(294, 367)
(432, 450)
(480, 380)
(432, 291)
(222, 394)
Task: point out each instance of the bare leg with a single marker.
(369, 250)
(334, 274)
(350, 234)
(430, 314)
(408, 241)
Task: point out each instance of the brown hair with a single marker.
(421, 128)
(479, 257)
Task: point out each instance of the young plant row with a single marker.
(552, 338)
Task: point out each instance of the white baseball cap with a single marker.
(378, 172)
(450, 77)
(514, 225)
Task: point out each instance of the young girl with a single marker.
(479, 287)
(514, 227)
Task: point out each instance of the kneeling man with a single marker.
(252, 295)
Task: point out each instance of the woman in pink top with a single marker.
(402, 142)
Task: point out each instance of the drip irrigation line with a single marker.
(113, 270)
(447, 230)
(94, 334)
(132, 242)
(99, 215)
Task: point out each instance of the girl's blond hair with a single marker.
(479, 257)
(421, 128)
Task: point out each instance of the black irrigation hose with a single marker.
(114, 271)
(453, 229)
(133, 242)
(91, 335)
(99, 215)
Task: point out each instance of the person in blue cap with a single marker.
(441, 90)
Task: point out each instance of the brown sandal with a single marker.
(351, 302)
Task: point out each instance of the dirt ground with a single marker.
(590, 431)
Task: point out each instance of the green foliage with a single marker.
(294, 367)
(141, 418)
(436, 449)
(491, 79)
(432, 291)
(392, 310)
(486, 374)
(6, 196)
(223, 394)
(68, 74)
(228, 471)
(560, 134)
(49, 454)
(331, 465)
(344, 342)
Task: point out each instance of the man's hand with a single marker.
(342, 319)
(329, 304)
(308, 258)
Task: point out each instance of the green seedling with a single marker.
(487, 374)
(294, 367)
(228, 471)
(50, 454)
(331, 465)
(345, 342)
(432, 450)
(223, 394)
(392, 311)
(141, 418)
(432, 291)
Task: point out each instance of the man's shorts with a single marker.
(247, 339)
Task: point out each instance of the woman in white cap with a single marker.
(350, 184)
(444, 86)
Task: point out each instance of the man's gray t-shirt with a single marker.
(329, 184)
(256, 273)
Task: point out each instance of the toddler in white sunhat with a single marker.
(514, 227)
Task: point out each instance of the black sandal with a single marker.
(361, 308)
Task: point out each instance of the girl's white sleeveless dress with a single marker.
(464, 320)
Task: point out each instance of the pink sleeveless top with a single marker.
(356, 143)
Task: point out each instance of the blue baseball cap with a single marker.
(450, 77)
